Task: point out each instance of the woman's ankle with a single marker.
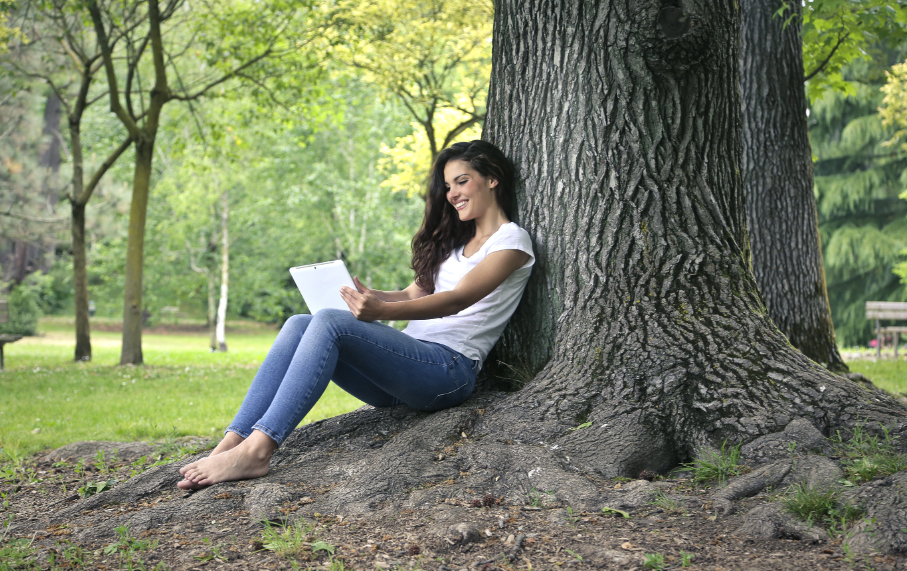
(260, 445)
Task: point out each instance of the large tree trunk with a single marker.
(642, 313)
(135, 254)
(777, 172)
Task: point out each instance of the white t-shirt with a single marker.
(475, 330)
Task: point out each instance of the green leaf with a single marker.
(615, 511)
(581, 426)
(322, 546)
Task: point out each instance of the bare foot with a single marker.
(249, 459)
(230, 441)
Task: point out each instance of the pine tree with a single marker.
(858, 179)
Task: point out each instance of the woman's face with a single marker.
(469, 192)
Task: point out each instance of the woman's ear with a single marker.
(492, 182)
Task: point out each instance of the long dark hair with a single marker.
(442, 232)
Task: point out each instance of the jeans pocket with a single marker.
(462, 380)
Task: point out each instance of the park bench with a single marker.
(879, 310)
(4, 339)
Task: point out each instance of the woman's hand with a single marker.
(364, 304)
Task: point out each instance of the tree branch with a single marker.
(26, 218)
(96, 177)
(827, 59)
(460, 128)
(115, 105)
(224, 78)
(131, 68)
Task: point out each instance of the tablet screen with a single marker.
(320, 284)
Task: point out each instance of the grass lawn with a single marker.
(888, 374)
(48, 401)
(183, 389)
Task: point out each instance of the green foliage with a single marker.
(712, 465)
(840, 32)
(292, 539)
(16, 554)
(24, 308)
(93, 488)
(858, 178)
(435, 58)
(616, 512)
(654, 561)
(313, 195)
(667, 504)
(822, 507)
(69, 556)
(866, 456)
(686, 559)
(127, 548)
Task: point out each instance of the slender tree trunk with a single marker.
(49, 161)
(777, 173)
(80, 283)
(20, 261)
(212, 309)
(224, 273)
(79, 258)
(135, 252)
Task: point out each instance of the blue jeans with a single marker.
(372, 361)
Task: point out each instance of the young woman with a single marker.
(471, 266)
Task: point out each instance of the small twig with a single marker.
(518, 544)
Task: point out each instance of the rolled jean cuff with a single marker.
(269, 432)
(235, 430)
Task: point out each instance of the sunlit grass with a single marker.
(183, 389)
(888, 374)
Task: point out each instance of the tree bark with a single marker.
(135, 254)
(224, 273)
(777, 173)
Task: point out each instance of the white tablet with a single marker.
(320, 284)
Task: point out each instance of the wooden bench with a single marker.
(879, 310)
(4, 339)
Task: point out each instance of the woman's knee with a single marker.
(333, 317)
(297, 323)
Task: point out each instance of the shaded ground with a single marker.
(667, 518)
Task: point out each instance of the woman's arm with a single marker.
(411, 292)
(491, 272)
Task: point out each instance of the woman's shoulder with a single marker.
(511, 232)
(510, 237)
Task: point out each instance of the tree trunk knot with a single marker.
(683, 40)
(673, 22)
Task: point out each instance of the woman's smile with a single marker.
(467, 189)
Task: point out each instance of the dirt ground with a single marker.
(452, 536)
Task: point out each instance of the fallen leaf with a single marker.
(614, 511)
(627, 545)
